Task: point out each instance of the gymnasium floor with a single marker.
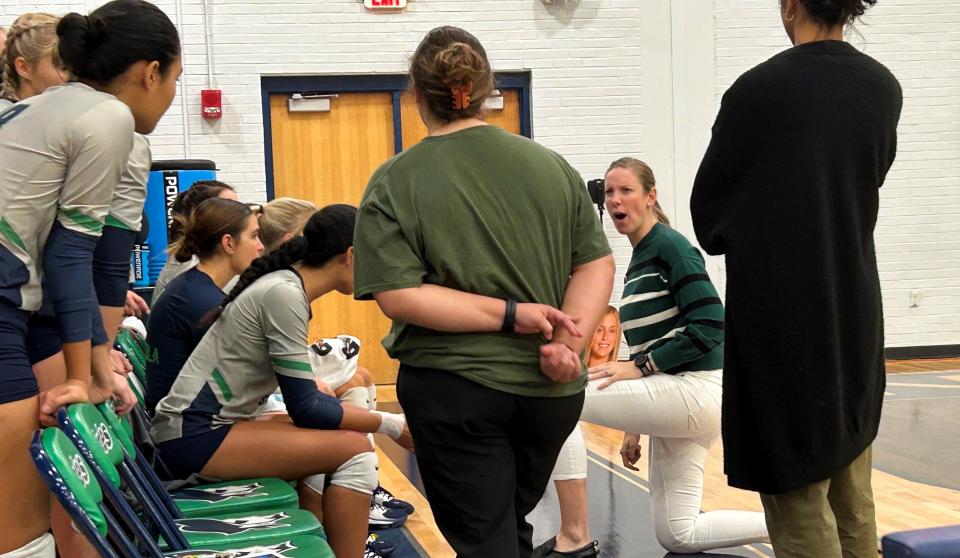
(916, 473)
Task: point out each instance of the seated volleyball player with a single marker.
(183, 206)
(175, 322)
(223, 235)
(258, 341)
(335, 363)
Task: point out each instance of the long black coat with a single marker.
(789, 191)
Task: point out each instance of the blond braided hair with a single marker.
(32, 36)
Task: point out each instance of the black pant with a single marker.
(485, 457)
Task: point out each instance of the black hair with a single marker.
(188, 200)
(837, 12)
(327, 234)
(207, 224)
(101, 46)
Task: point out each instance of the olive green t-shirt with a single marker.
(481, 211)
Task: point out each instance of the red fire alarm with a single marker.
(211, 104)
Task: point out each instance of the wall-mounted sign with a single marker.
(385, 5)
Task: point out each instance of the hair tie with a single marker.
(461, 95)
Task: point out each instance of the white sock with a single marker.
(391, 424)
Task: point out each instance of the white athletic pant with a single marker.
(681, 414)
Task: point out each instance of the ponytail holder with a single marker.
(461, 95)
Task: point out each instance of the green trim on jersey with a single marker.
(11, 234)
(222, 384)
(82, 220)
(291, 365)
(116, 223)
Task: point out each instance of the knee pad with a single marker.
(356, 397)
(42, 547)
(315, 482)
(372, 396)
(359, 473)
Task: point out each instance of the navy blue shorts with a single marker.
(17, 381)
(43, 338)
(189, 455)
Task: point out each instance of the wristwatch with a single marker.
(643, 364)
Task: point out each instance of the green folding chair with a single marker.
(128, 343)
(222, 499)
(138, 389)
(88, 428)
(78, 486)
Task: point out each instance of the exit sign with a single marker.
(377, 5)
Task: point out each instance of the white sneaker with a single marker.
(384, 518)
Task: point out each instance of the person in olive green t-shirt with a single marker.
(447, 231)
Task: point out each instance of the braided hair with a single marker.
(32, 36)
(327, 234)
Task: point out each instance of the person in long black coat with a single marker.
(789, 191)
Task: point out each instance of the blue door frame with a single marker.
(395, 84)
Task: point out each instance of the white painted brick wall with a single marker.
(918, 233)
(601, 89)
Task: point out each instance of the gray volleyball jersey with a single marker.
(234, 369)
(62, 154)
(126, 209)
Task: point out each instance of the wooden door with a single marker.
(328, 157)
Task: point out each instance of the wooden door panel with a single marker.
(327, 157)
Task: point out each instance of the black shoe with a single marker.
(545, 548)
(588, 551)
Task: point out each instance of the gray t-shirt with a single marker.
(262, 335)
(62, 154)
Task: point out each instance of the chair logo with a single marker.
(266, 551)
(103, 436)
(236, 526)
(80, 468)
(219, 494)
